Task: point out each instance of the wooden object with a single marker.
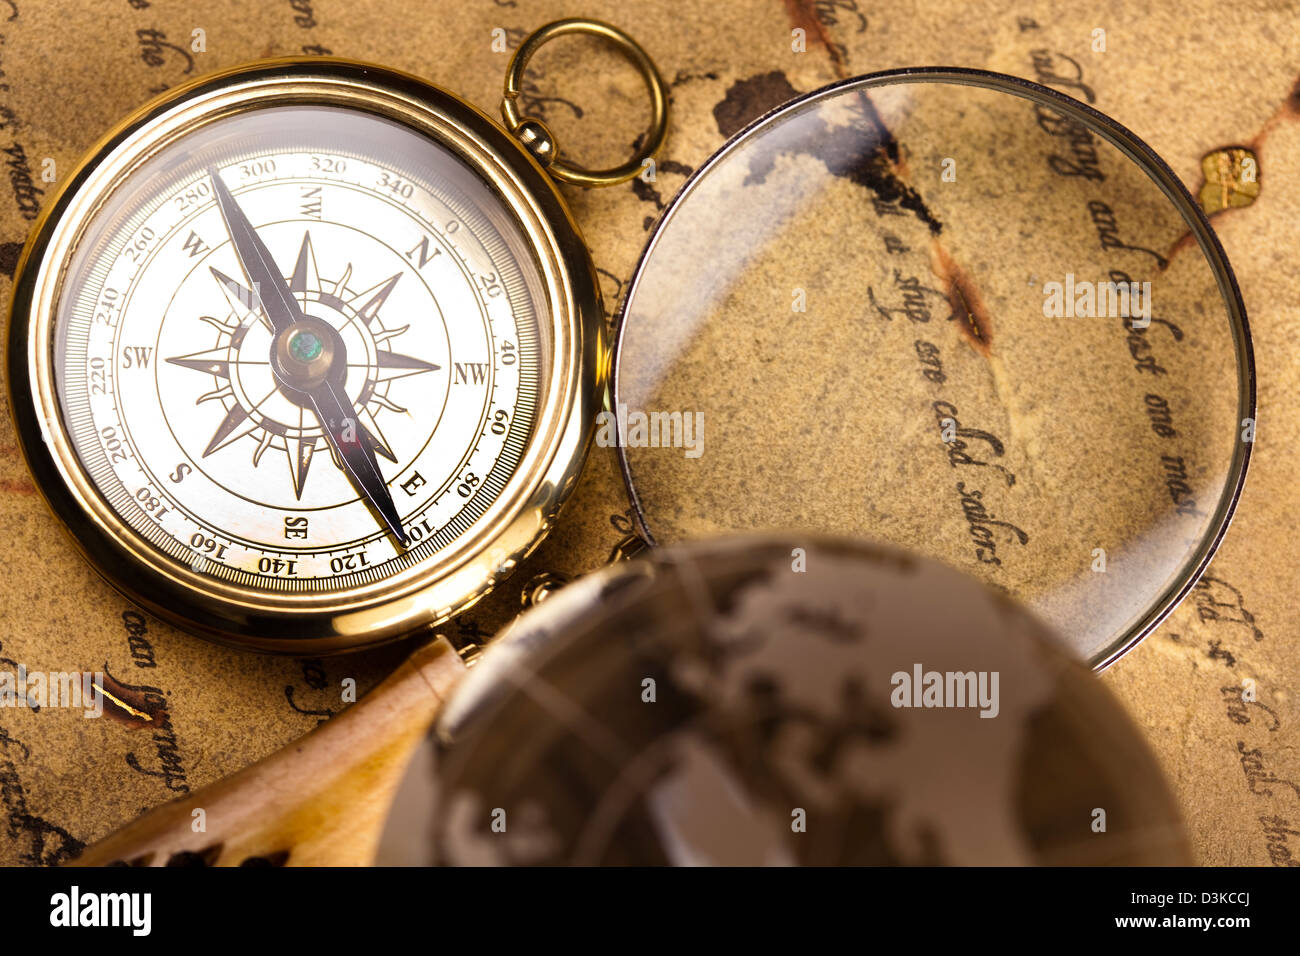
(321, 801)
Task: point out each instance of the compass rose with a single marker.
(257, 403)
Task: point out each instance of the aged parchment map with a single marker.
(1183, 76)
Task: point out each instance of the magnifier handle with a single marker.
(320, 801)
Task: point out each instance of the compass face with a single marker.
(228, 404)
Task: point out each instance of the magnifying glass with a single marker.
(956, 312)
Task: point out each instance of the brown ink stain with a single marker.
(17, 486)
(803, 14)
(132, 708)
(9, 253)
(1287, 111)
(865, 153)
(968, 310)
(1292, 102)
(748, 99)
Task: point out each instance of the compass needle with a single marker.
(307, 354)
(339, 419)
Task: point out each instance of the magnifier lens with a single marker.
(953, 312)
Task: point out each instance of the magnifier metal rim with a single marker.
(1159, 172)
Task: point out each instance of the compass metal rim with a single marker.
(414, 599)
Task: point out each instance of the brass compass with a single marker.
(306, 354)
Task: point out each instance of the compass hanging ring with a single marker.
(535, 135)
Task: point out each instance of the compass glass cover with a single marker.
(419, 288)
(955, 313)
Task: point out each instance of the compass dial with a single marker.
(391, 285)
